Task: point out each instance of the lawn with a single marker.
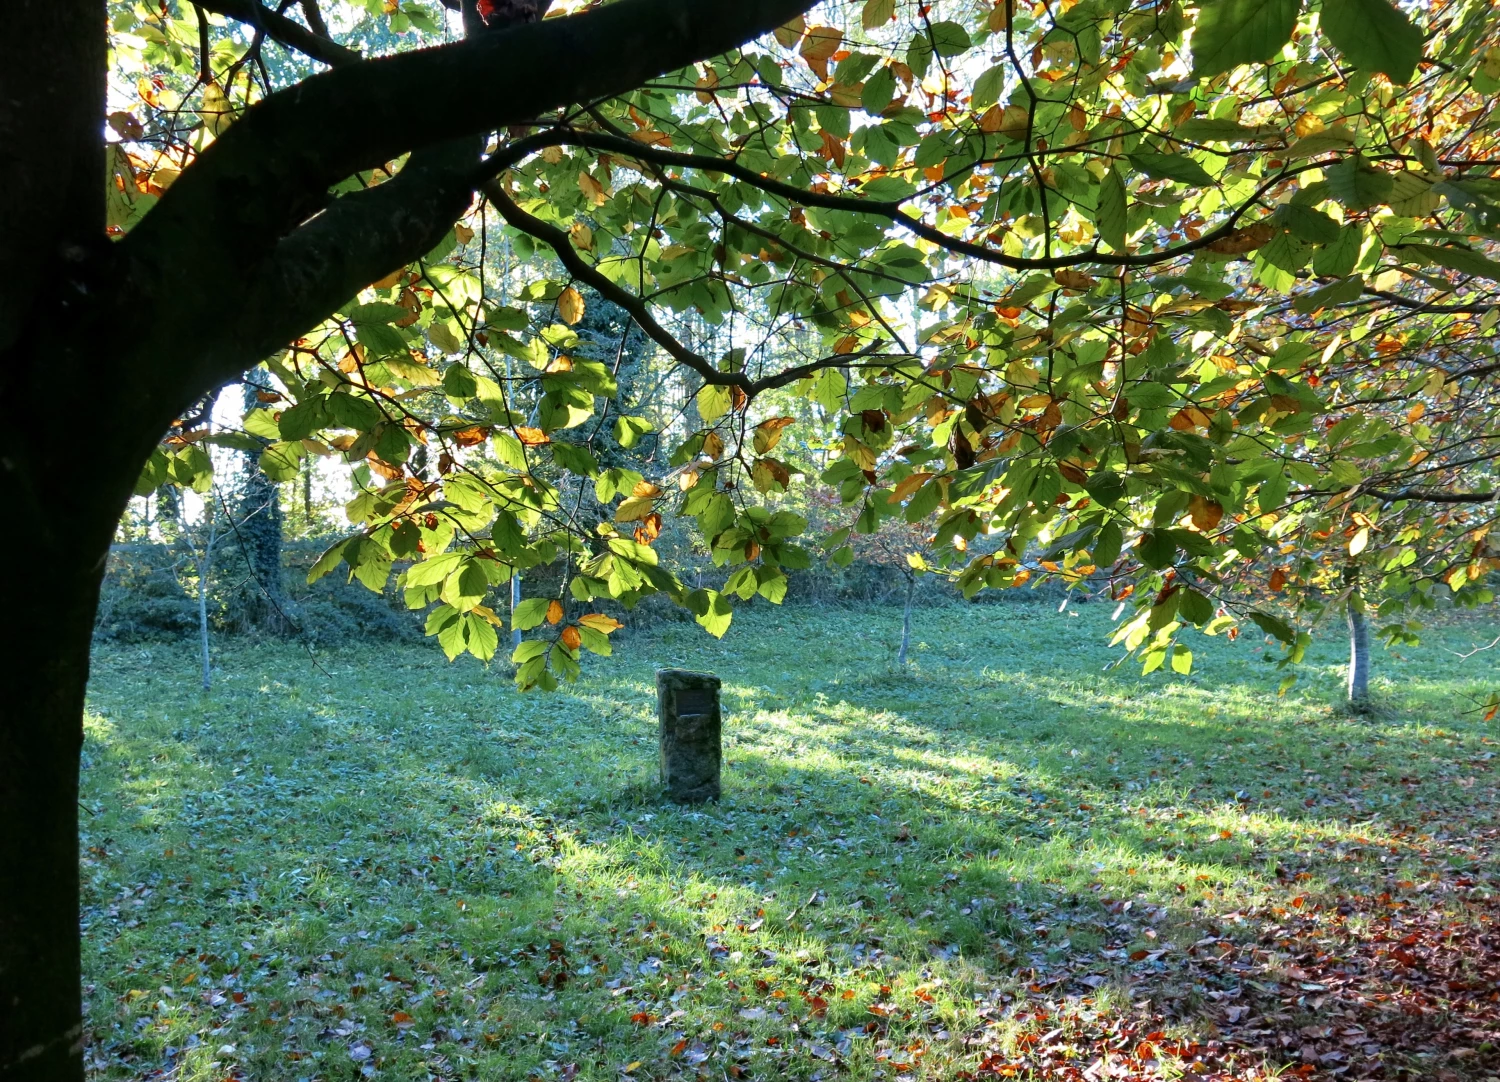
(1005, 861)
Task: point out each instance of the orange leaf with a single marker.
(554, 612)
(1206, 514)
(645, 489)
(401, 1018)
(468, 437)
(571, 638)
(908, 485)
(532, 437)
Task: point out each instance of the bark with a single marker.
(1359, 652)
(73, 502)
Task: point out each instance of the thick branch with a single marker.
(287, 31)
(229, 212)
(1430, 495)
(273, 168)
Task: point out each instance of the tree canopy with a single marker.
(1168, 295)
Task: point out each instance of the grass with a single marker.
(403, 869)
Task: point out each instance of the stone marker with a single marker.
(688, 705)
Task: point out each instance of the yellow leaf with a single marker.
(634, 509)
(645, 490)
(713, 445)
(1358, 542)
(216, 112)
(591, 189)
(597, 621)
(570, 305)
(583, 236)
(1414, 414)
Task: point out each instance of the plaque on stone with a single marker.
(688, 707)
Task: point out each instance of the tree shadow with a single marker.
(1017, 872)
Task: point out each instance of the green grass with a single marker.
(405, 868)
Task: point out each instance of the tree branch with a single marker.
(288, 32)
(256, 200)
(581, 269)
(892, 211)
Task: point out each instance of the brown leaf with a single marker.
(469, 437)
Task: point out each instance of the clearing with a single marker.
(1003, 862)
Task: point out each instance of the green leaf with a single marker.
(303, 419)
(1272, 494)
(1463, 260)
(1171, 167)
(1340, 292)
(987, 87)
(529, 613)
(712, 610)
(1182, 660)
(1338, 259)
(1373, 35)
(1205, 130)
(1233, 32)
(713, 402)
(1110, 215)
(281, 461)
(1107, 544)
(1307, 224)
(1356, 185)
(1274, 626)
(877, 13)
(879, 89)
(331, 558)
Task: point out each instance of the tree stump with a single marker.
(688, 706)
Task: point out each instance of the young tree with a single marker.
(1116, 379)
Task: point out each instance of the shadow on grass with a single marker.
(412, 872)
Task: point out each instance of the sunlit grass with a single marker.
(403, 868)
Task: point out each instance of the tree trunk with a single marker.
(45, 671)
(911, 585)
(1359, 652)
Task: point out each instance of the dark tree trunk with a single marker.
(45, 673)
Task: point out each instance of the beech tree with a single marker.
(1056, 270)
